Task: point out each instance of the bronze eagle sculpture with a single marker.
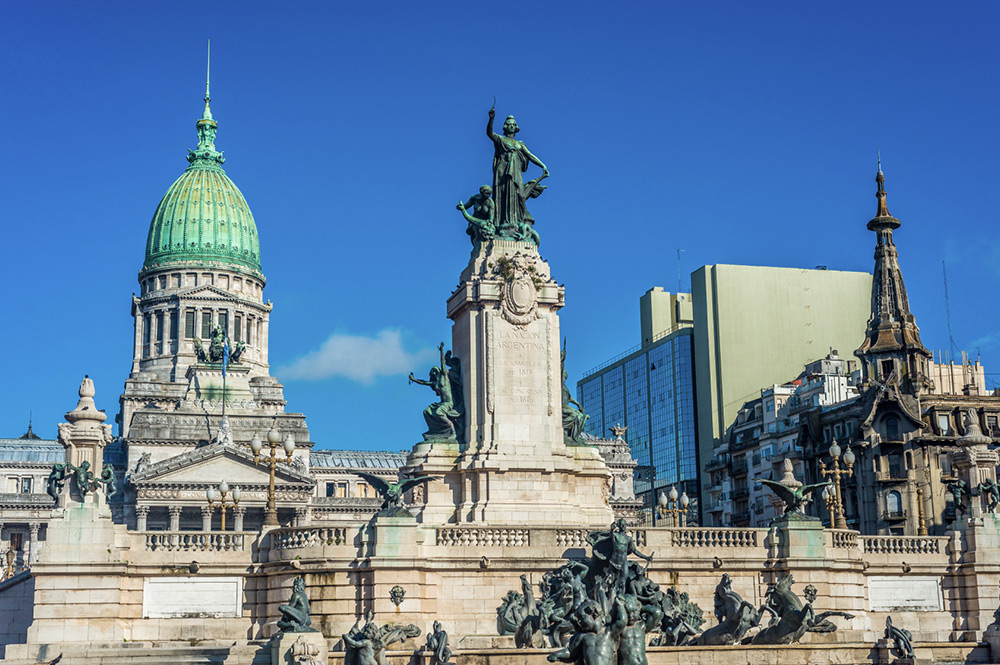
(794, 498)
(392, 493)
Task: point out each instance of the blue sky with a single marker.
(740, 132)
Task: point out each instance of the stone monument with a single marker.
(512, 464)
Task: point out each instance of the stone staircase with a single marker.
(148, 653)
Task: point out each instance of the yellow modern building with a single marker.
(756, 326)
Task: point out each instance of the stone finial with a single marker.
(788, 478)
(86, 414)
(973, 435)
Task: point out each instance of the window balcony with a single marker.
(740, 519)
(893, 516)
(739, 493)
(738, 467)
(893, 476)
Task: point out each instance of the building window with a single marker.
(892, 428)
(837, 430)
(249, 329)
(944, 424)
(173, 326)
(362, 491)
(146, 324)
(163, 282)
(886, 368)
(331, 488)
(17, 541)
(944, 461)
(894, 503)
(189, 323)
(13, 485)
(991, 425)
(159, 332)
(26, 486)
(224, 322)
(206, 324)
(237, 327)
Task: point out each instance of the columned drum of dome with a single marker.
(203, 218)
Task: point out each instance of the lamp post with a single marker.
(9, 568)
(669, 505)
(223, 490)
(273, 438)
(836, 472)
(828, 501)
(921, 523)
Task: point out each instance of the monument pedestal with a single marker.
(514, 466)
(799, 538)
(299, 649)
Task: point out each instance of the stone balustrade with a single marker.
(844, 539)
(482, 537)
(708, 537)
(197, 541)
(904, 544)
(315, 536)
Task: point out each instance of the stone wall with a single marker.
(16, 598)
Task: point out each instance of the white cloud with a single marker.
(359, 358)
(988, 340)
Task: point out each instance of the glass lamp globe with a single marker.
(289, 445)
(673, 493)
(210, 494)
(834, 450)
(663, 499)
(237, 493)
(224, 487)
(684, 500)
(274, 436)
(256, 444)
(849, 457)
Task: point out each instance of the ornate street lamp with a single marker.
(223, 490)
(835, 473)
(669, 505)
(273, 438)
(8, 571)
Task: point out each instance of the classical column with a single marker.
(33, 542)
(175, 518)
(141, 513)
(238, 518)
(206, 518)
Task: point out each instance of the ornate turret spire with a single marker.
(206, 126)
(892, 345)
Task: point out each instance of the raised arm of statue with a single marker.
(489, 126)
(534, 160)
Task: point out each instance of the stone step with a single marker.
(141, 654)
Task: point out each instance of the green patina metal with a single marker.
(203, 218)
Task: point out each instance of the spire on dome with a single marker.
(207, 115)
(206, 153)
(883, 209)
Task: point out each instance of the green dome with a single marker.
(203, 217)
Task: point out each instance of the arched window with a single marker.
(892, 428)
(894, 503)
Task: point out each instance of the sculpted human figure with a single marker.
(902, 640)
(610, 553)
(820, 623)
(54, 485)
(574, 417)
(440, 416)
(84, 478)
(295, 614)
(989, 489)
(215, 348)
(510, 159)
(361, 647)
(437, 644)
(632, 641)
(482, 221)
(735, 615)
(109, 482)
(959, 489)
(594, 644)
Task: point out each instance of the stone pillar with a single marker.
(33, 543)
(238, 513)
(141, 513)
(302, 517)
(85, 435)
(206, 518)
(175, 518)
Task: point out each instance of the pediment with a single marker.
(207, 291)
(214, 463)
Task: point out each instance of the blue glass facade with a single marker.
(652, 392)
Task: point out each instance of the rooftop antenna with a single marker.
(947, 310)
(680, 289)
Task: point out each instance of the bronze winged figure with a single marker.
(794, 498)
(392, 493)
